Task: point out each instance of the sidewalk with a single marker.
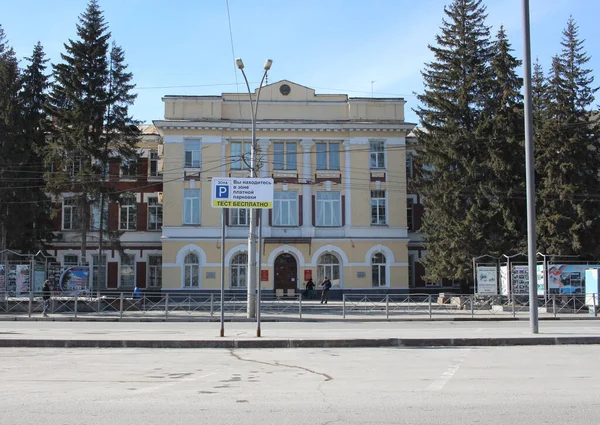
(293, 334)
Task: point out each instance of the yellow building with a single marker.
(340, 189)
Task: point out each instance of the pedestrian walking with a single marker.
(326, 285)
(46, 294)
(310, 289)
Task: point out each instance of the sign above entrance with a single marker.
(242, 192)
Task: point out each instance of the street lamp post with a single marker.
(251, 272)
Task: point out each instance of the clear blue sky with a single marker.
(333, 46)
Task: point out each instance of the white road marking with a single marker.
(440, 383)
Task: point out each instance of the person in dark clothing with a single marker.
(310, 289)
(46, 293)
(326, 285)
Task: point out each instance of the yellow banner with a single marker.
(241, 204)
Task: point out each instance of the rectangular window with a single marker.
(192, 153)
(329, 213)
(95, 216)
(153, 163)
(129, 168)
(73, 166)
(284, 156)
(155, 214)
(127, 271)
(155, 271)
(70, 214)
(377, 152)
(378, 215)
(409, 214)
(411, 271)
(240, 155)
(70, 260)
(98, 273)
(239, 217)
(191, 206)
(128, 217)
(285, 209)
(409, 167)
(328, 156)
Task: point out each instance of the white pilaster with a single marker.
(347, 186)
(265, 159)
(306, 176)
(224, 161)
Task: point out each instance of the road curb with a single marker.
(301, 343)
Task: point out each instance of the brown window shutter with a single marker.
(140, 274)
(143, 169)
(343, 210)
(226, 216)
(58, 216)
(113, 216)
(314, 210)
(270, 216)
(300, 211)
(114, 169)
(112, 275)
(142, 217)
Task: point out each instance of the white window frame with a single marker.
(324, 158)
(122, 266)
(379, 267)
(194, 271)
(325, 209)
(96, 271)
(95, 215)
(193, 147)
(409, 166)
(410, 212)
(155, 271)
(239, 217)
(240, 159)
(129, 168)
(377, 156)
(284, 201)
(189, 202)
(153, 159)
(329, 269)
(128, 213)
(238, 269)
(70, 263)
(70, 204)
(284, 164)
(155, 210)
(377, 219)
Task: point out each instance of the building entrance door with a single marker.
(285, 272)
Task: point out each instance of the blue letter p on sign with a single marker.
(222, 192)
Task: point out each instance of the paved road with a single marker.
(290, 330)
(536, 385)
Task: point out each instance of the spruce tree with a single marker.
(568, 160)
(457, 85)
(89, 105)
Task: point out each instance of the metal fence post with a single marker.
(75, 305)
(121, 305)
(429, 302)
(513, 306)
(594, 301)
(574, 304)
(387, 306)
(300, 305)
(212, 300)
(166, 306)
(472, 297)
(30, 303)
(554, 304)
(343, 306)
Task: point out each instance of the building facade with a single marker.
(134, 255)
(340, 201)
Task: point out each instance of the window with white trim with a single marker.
(378, 213)
(70, 260)
(240, 155)
(192, 154)
(378, 270)
(73, 165)
(155, 271)
(153, 164)
(239, 217)
(191, 206)
(285, 209)
(409, 214)
(95, 216)
(409, 166)
(284, 155)
(128, 217)
(239, 267)
(328, 265)
(328, 155)
(129, 167)
(191, 267)
(127, 271)
(377, 153)
(70, 213)
(328, 209)
(155, 214)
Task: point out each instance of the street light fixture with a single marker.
(251, 273)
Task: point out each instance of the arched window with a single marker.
(328, 266)
(239, 266)
(192, 271)
(378, 269)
